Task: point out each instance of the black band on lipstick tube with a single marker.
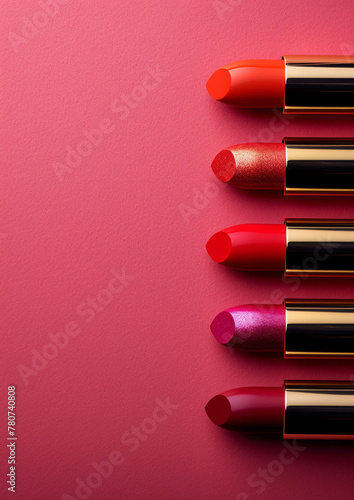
(319, 247)
(319, 328)
(319, 166)
(319, 84)
(319, 410)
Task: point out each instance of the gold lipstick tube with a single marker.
(319, 328)
(319, 410)
(319, 84)
(319, 166)
(319, 247)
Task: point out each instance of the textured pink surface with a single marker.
(139, 202)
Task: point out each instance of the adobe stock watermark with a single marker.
(223, 7)
(201, 197)
(74, 156)
(120, 109)
(259, 481)
(129, 442)
(31, 26)
(86, 311)
(321, 253)
(277, 123)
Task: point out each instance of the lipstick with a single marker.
(297, 166)
(299, 247)
(298, 328)
(298, 410)
(297, 84)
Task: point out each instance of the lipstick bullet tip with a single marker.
(224, 165)
(219, 246)
(219, 84)
(218, 409)
(223, 327)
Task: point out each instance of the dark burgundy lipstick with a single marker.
(299, 410)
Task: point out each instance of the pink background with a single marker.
(121, 208)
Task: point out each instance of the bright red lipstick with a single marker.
(298, 84)
(250, 247)
(299, 247)
(254, 83)
(298, 166)
(299, 410)
(298, 328)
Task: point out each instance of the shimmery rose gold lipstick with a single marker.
(299, 410)
(297, 84)
(298, 166)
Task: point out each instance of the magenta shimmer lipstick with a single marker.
(298, 328)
